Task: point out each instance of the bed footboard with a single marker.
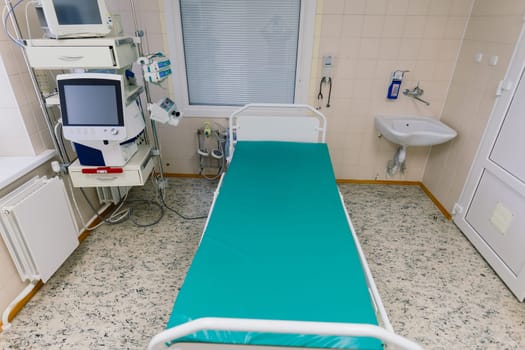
(161, 340)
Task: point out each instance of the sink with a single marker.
(414, 131)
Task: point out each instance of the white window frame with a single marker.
(176, 49)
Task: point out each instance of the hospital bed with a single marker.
(279, 264)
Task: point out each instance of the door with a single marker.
(491, 209)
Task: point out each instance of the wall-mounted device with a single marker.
(326, 78)
(74, 18)
(165, 111)
(328, 64)
(395, 84)
(97, 118)
(155, 67)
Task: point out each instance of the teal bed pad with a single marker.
(277, 246)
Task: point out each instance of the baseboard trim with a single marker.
(191, 176)
(440, 206)
(436, 202)
(18, 307)
(378, 182)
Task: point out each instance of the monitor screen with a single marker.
(74, 12)
(91, 102)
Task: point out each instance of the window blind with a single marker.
(239, 52)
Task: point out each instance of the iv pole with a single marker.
(140, 34)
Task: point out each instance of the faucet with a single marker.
(415, 93)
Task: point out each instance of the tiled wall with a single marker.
(22, 127)
(14, 139)
(369, 40)
(493, 30)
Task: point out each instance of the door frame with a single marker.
(506, 91)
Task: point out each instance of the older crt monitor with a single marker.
(74, 18)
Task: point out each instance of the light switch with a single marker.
(493, 60)
(478, 57)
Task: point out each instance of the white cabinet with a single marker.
(93, 53)
(134, 173)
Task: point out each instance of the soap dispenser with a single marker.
(395, 84)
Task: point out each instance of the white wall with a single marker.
(23, 131)
(493, 31)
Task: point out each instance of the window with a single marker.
(227, 53)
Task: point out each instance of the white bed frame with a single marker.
(283, 122)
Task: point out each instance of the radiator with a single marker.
(38, 227)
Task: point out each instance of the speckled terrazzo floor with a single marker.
(117, 289)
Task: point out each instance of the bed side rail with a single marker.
(162, 340)
(372, 287)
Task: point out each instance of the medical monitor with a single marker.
(74, 18)
(93, 106)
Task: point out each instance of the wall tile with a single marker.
(429, 49)
(397, 7)
(435, 27)
(331, 26)
(455, 27)
(439, 7)
(410, 48)
(369, 48)
(449, 49)
(500, 7)
(352, 25)
(414, 27)
(333, 7)
(372, 26)
(461, 7)
(329, 46)
(418, 7)
(376, 7)
(389, 48)
(346, 68)
(349, 47)
(355, 7)
(394, 26)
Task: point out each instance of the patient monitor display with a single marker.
(97, 119)
(74, 18)
(93, 104)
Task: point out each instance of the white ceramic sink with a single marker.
(414, 131)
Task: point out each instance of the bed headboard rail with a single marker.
(277, 122)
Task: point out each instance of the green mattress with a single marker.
(277, 246)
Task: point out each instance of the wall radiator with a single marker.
(38, 227)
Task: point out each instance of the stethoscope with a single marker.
(324, 80)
